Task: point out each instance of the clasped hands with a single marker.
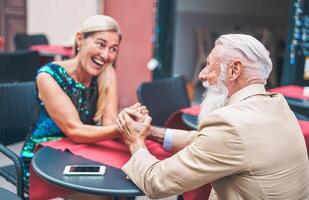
(134, 124)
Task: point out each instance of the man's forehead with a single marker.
(217, 49)
(215, 52)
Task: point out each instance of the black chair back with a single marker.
(17, 115)
(17, 111)
(163, 97)
(18, 66)
(25, 41)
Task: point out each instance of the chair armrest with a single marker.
(18, 166)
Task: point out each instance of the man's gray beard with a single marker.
(214, 97)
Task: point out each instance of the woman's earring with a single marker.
(77, 49)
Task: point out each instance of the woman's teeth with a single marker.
(98, 62)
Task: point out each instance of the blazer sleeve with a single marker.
(183, 139)
(216, 152)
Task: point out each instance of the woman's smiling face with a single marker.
(97, 50)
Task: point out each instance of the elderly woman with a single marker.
(77, 98)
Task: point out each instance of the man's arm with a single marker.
(216, 152)
(171, 139)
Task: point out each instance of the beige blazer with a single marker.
(252, 148)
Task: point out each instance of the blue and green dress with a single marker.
(45, 129)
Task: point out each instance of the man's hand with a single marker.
(134, 128)
(140, 108)
(140, 113)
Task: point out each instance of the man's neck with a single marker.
(235, 87)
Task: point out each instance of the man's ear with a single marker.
(235, 70)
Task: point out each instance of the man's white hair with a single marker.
(257, 62)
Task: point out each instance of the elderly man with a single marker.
(248, 144)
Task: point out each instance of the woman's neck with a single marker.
(77, 72)
(81, 76)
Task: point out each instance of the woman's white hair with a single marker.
(257, 62)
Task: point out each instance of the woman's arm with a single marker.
(63, 112)
(111, 109)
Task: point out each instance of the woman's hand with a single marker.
(133, 131)
(139, 112)
(140, 109)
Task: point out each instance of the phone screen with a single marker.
(84, 169)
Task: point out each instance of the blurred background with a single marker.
(171, 37)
